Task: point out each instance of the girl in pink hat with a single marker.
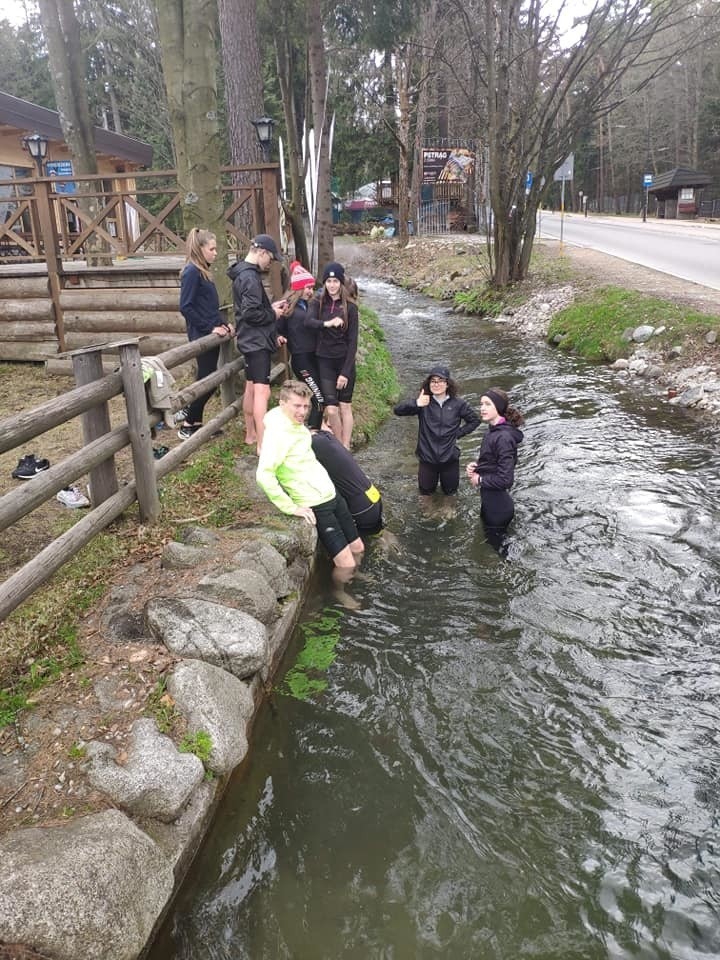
(302, 340)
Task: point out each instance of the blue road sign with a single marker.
(647, 179)
(528, 181)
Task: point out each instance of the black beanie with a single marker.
(334, 270)
(500, 402)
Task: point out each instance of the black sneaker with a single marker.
(187, 430)
(28, 467)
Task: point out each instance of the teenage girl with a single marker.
(443, 417)
(200, 306)
(494, 470)
(302, 340)
(335, 316)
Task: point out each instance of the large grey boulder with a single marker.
(643, 333)
(295, 537)
(92, 888)
(201, 630)
(156, 781)
(183, 556)
(219, 704)
(248, 589)
(264, 558)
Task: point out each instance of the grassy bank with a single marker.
(41, 641)
(595, 326)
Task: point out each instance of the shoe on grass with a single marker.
(72, 497)
(29, 467)
(188, 429)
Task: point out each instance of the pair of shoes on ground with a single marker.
(159, 452)
(72, 497)
(29, 466)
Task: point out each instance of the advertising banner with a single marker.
(447, 166)
(61, 168)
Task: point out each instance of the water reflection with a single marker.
(510, 760)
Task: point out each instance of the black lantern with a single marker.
(37, 146)
(264, 130)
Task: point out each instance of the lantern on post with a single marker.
(264, 130)
(37, 147)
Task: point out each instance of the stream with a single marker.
(497, 757)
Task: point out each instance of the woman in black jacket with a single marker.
(443, 418)
(301, 340)
(200, 306)
(335, 317)
(494, 470)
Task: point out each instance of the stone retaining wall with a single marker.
(99, 886)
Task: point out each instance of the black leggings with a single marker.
(448, 474)
(304, 367)
(206, 364)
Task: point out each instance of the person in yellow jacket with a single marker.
(295, 481)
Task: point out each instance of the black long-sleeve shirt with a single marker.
(334, 342)
(440, 426)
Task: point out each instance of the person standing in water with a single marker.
(200, 307)
(443, 418)
(334, 315)
(493, 473)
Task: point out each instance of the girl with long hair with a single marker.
(302, 340)
(334, 315)
(493, 473)
(200, 306)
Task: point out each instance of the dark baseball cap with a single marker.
(266, 242)
(440, 371)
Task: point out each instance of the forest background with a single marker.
(630, 87)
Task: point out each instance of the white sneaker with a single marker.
(72, 497)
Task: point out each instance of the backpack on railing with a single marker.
(160, 388)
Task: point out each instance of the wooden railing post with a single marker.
(139, 427)
(227, 353)
(53, 259)
(88, 367)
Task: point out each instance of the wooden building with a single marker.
(678, 192)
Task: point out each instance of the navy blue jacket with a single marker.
(440, 427)
(301, 339)
(199, 303)
(498, 455)
(255, 322)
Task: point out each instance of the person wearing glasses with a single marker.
(443, 417)
(257, 334)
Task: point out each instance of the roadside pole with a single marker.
(647, 183)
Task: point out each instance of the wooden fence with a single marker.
(89, 400)
(51, 302)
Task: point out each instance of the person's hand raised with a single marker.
(423, 399)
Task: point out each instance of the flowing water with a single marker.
(502, 758)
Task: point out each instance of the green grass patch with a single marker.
(161, 708)
(199, 743)
(40, 671)
(377, 387)
(594, 326)
(321, 636)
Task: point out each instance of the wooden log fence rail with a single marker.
(89, 400)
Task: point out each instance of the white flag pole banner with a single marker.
(310, 190)
(283, 179)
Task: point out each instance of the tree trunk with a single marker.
(67, 70)
(285, 54)
(428, 29)
(188, 39)
(242, 67)
(403, 72)
(321, 124)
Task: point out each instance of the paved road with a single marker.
(687, 250)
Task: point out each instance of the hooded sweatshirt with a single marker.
(440, 425)
(255, 321)
(498, 456)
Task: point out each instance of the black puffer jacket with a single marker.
(440, 427)
(255, 322)
(498, 456)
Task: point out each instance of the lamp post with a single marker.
(264, 130)
(37, 147)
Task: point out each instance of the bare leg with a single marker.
(333, 419)
(347, 420)
(248, 403)
(357, 547)
(342, 574)
(261, 396)
(345, 559)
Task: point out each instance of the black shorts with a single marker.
(257, 366)
(448, 474)
(370, 521)
(335, 525)
(330, 369)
